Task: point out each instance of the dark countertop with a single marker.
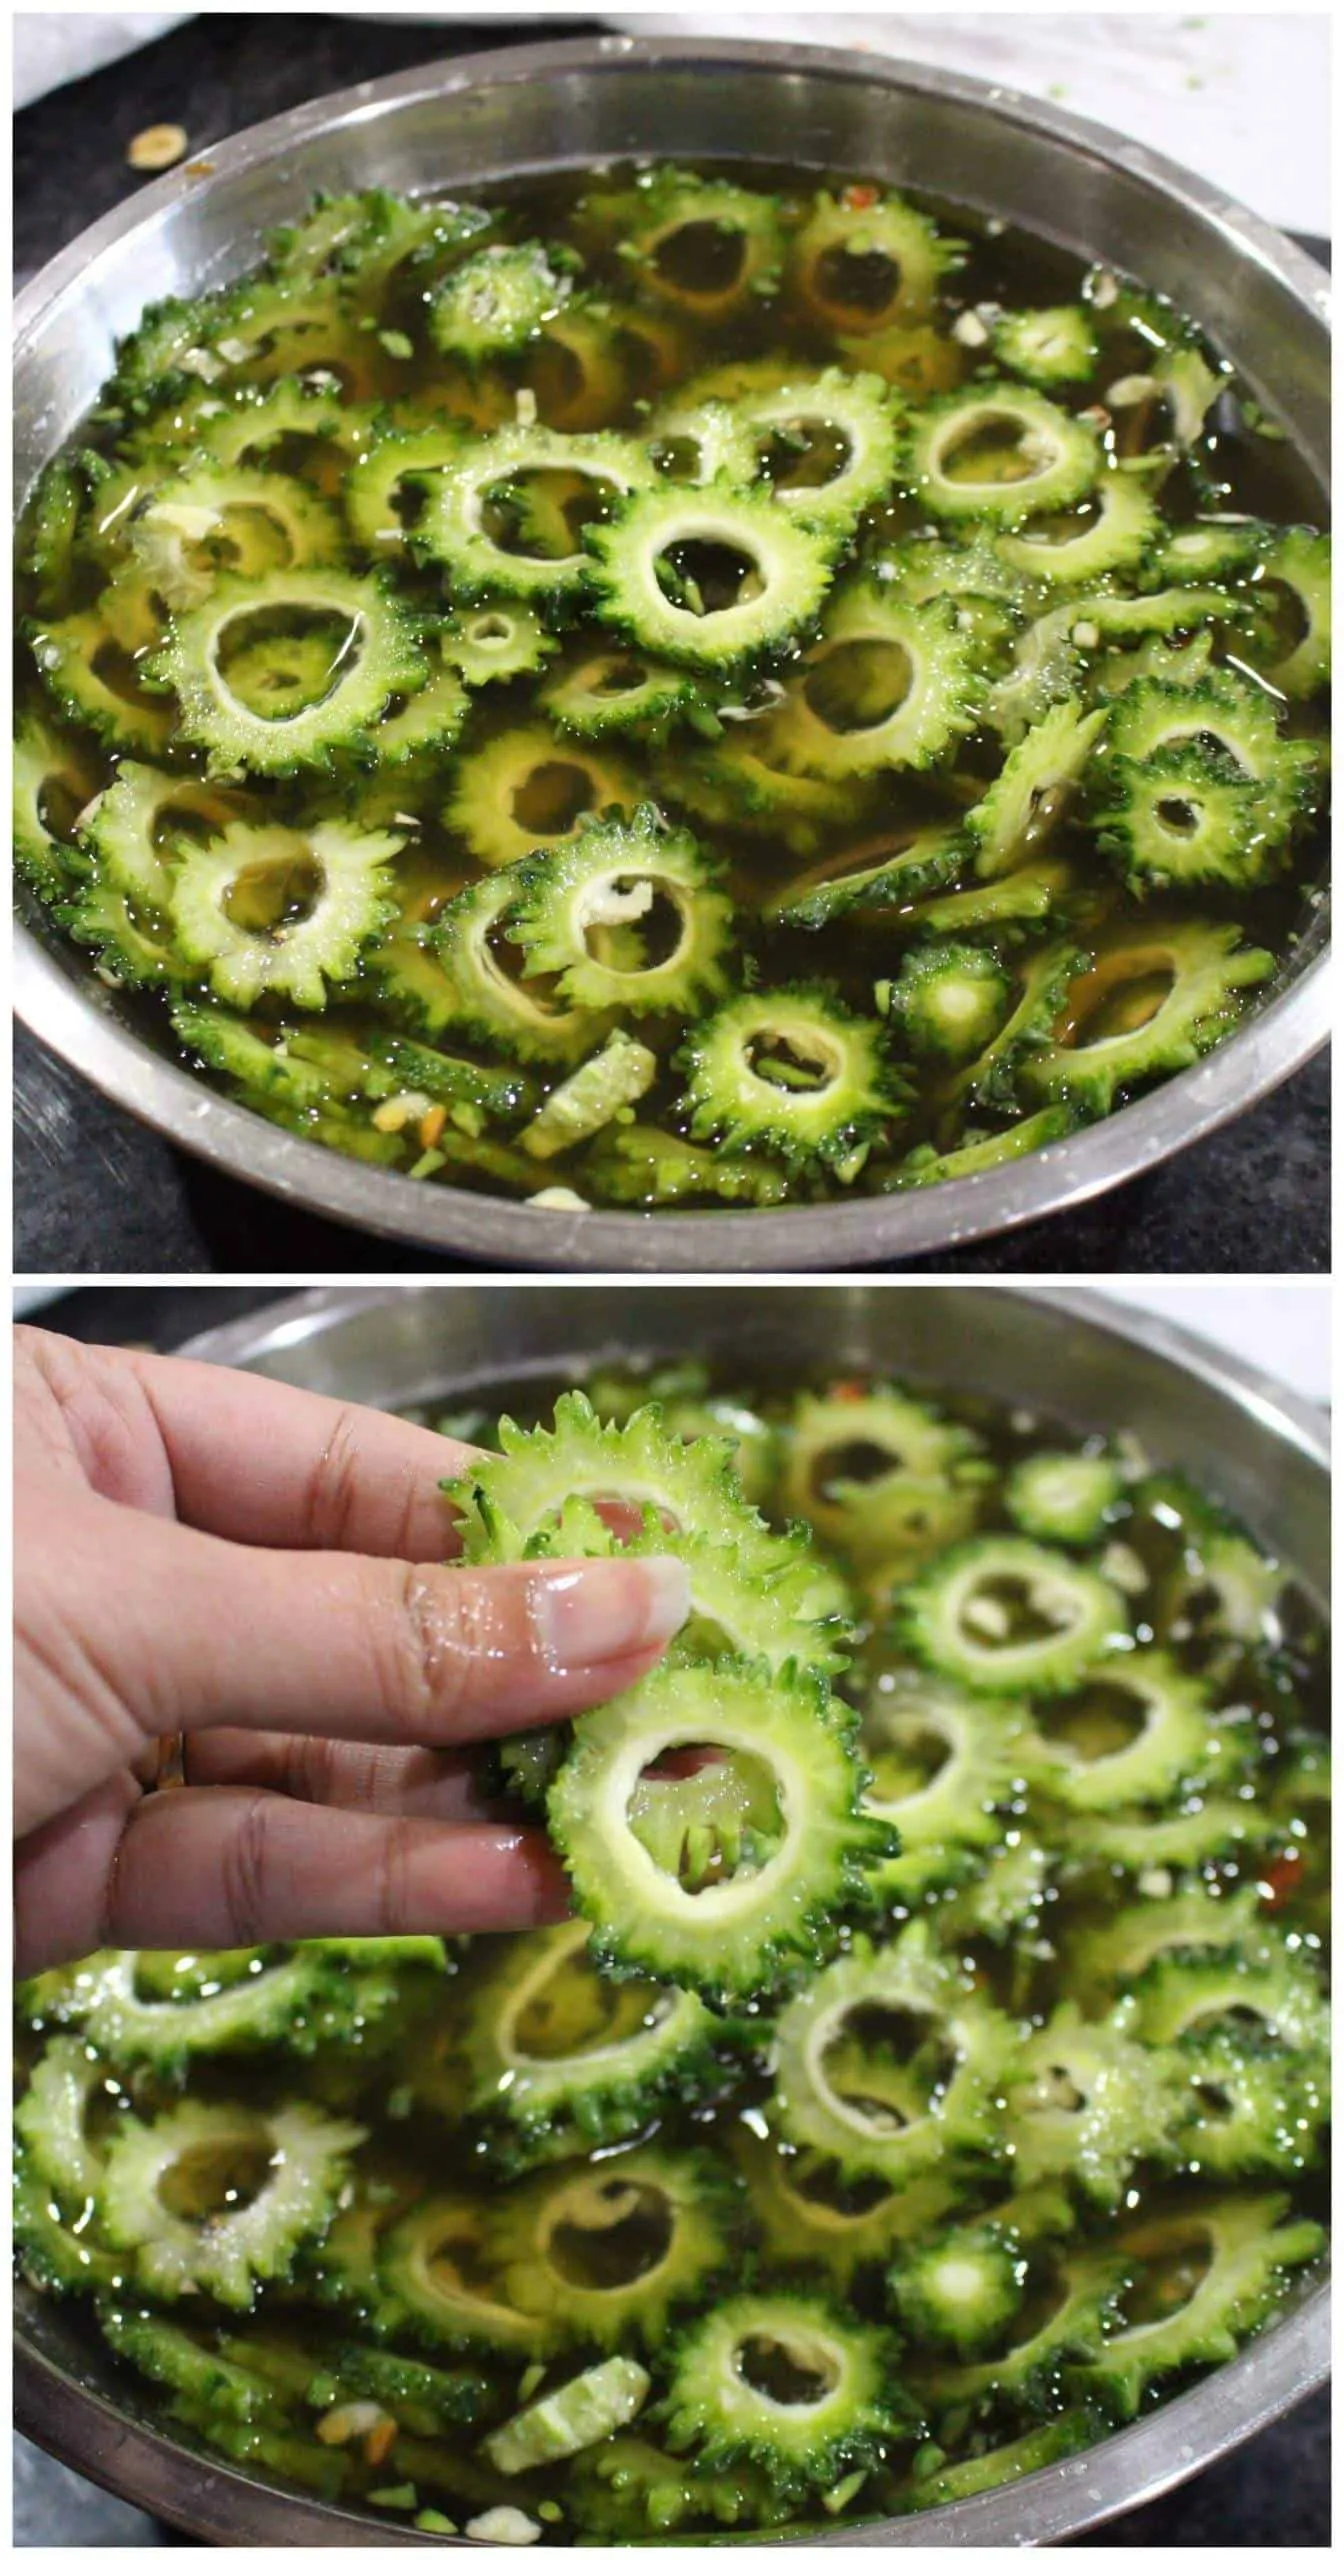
(1272, 2493)
(94, 1192)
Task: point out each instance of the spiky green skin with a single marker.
(595, 697)
(939, 706)
(1088, 1617)
(474, 996)
(983, 1155)
(1189, 1989)
(376, 481)
(1118, 539)
(611, 872)
(1258, 2110)
(1057, 345)
(168, 2354)
(452, 529)
(1254, 2253)
(740, 1936)
(987, 1748)
(1054, 2358)
(409, 1067)
(235, 431)
(424, 2294)
(1050, 664)
(383, 661)
(1055, 2441)
(301, 961)
(791, 564)
(888, 2125)
(881, 1476)
(535, 2107)
(1300, 561)
(701, 2205)
(1179, 1742)
(490, 780)
(427, 2399)
(226, 2255)
(1066, 1495)
(857, 408)
(1033, 788)
(959, 2291)
(305, 2000)
(712, 2407)
(50, 2121)
(918, 255)
(495, 301)
(665, 201)
(1237, 719)
(1210, 975)
(928, 859)
(1067, 447)
(494, 641)
(949, 1000)
(646, 1168)
(1040, 1000)
(1087, 2102)
(628, 2490)
(45, 755)
(728, 1098)
(65, 654)
(1106, 1955)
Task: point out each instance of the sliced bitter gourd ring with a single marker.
(645, 1168)
(949, 1000)
(375, 655)
(1299, 560)
(300, 956)
(945, 1766)
(525, 791)
(600, 1090)
(886, 872)
(296, 2156)
(1192, 1988)
(1033, 789)
(844, 419)
(210, 519)
(1232, 718)
(960, 2291)
(1058, 2440)
(1189, 983)
(480, 996)
(614, 689)
(300, 2002)
(1087, 2101)
(92, 679)
(1009, 1618)
(494, 641)
(455, 527)
(841, 2090)
(131, 825)
(633, 872)
(56, 775)
(743, 578)
(1255, 2109)
(305, 1071)
(1116, 531)
(701, 245)
(183, 2364)
(1177, 1741)
(1047, 347)
(739, 783)
(807, 2215)
(417, 733)
(1067, 2306)
(887, 684)
(793, 1071)
(1000, 455)
(51, 2120)
(1066, 1495)
(632, 2050)
(1241, 2254)
(734, 1937)
(391, 475)
(660, 2226)
(1182, 819)
(789, 2383)
(701, 440)
(582, 2412)
(234, 432)
(879, 1475)
(1209, 1832)
(983, 1155)
(496, 300)
(437, 2278)
(628, 2491)
(1105, 1955)
(870, 265)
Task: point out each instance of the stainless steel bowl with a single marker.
(1094, 1366)
(460, 124)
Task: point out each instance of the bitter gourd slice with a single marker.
(582, 2412)
(299, 2001)
(614, 2249)
(846, 420)
(209, 520)
(130, 827)
(1202, 973)
(1115, 532)
(479, 996)
(303, 954)
(865, 262)
(51, 2120)
(1087, 2101)
(231, 2249)
(456, 526)
(1009, 1617)
(735, 1061)
(615, 872)
(629, 2489)
(55, 2246)
(1034, 788)
(1181, 819)
(497, 299)
(375, 658)
(790, 2383)
(1209, 1832)
(1235, 718)
(843, 2091)
(168, 2354)
(1055, 650)
(49, 533)
(770, 575)
(807, 2216)
(1104, 1955)
(93, 680)
(383, 490)
(1069, 1496)
(1190, 1988)
(526, 790)
(645, 1168)
(414, 735)
(494, 641)
(733, 1938)
(999, 454)
(56, 774)
(701, 440)
(615, 690)
(1255, 2109)
(1299, 560)
(627, 2053)
(1006, 909)
(888, 684)
(880, 1474)
(959, 2291)
(1047, 347)
(945, 1766)
(949, 1000)
(983, 1155)
(1215, 2272)
(1101, 1768)
(702, 245)
(437, 2277)
(1071, 2298)
(888, 873)
(740, 784)
(1056, 2441)
(595, 1093)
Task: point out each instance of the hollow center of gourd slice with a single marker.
(799, 1061)
(1179, 817)
(851, 1462)
(283, 659)
(859, 684)
(993, 447)
(888, 2064)
(804, 453)
(214, 2178)
(1069, 524)
(706, 1824)
(1004, 1611)
(1120, 995)
(272, 897)
(540, 515)
(611, 2233)
(795, 2372)
(704, 259)
(706, 577)
(1170, 2275)
(116, 668)
(553, 796)
(632, 924)
(577, 2010)
(910, 1755)
(857, 283)
(848, 2199)
(1099, 1720)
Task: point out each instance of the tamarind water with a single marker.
(609, 722)
(1128, 1870)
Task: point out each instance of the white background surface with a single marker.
(1241, 97)
(1280, 1326)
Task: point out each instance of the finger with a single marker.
(252, 1459)
(364, 1777)
(145, 1619)
(237, 1867)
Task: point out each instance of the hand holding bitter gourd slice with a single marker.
(790, 2383)
(620, 871)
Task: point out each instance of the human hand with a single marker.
(204, 1552)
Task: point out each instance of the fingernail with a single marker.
(586, 1613)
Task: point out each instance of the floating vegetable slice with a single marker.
(1183, 819)
(949, 1001)
(702, 245)
(302, 954)
(301, 2156)
(945, 1766)
(390, 477)
(645, 1168)
(1190, 1989)
(494, 641)
(739, 783)
(794, 1071)
(56, 774)
(961, 2290)
(1244, 2252)
(302, 2001)
(51, 2120)
(1069, 2301)
(1000, 454)
(525, 791)
(1066, 1495)
(437, 2278)
(456, 526)
(628, 2489)
(616, 2249)
(808, 2215)
(1096, 1766)
(887, 684)
(615, 690)
(880, 1475)
(581, 2412)
(1047, 347)
(211, 519)
(716, 577)
(1088, 2102)
(865, 262)
(983, 1155)
(633, 872)
(373, 656)
(842, 419)
(94, 680)
(1010, 1617)
(1299, 561)
(1189, 983)
(496, 300)
(600, 1090)
(480, 996)
(790, 2383)
(1116, 531)
(735, 1936)
(1056, 2441)
(884, 873)
(1034, 788)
